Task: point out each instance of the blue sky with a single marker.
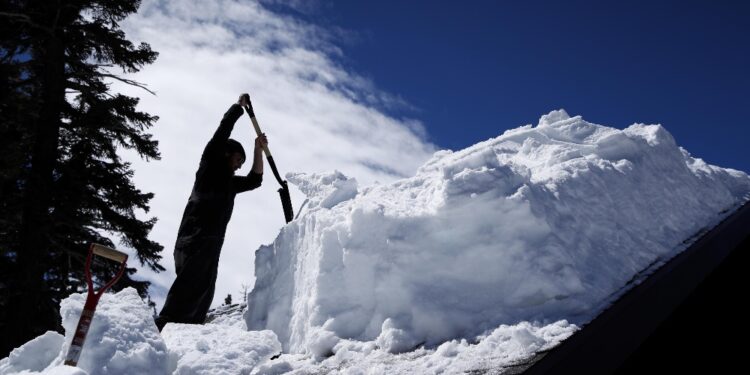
(473, 69)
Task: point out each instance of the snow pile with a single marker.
(122, 339)
(34, 356)
(540, 224)
(217, 348)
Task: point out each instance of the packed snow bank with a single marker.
(540, 224)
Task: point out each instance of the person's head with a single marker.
(235, 154)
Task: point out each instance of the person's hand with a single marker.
(244, 100)
(261, 142)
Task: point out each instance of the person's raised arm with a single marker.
(255, 177)
(216, 144)
(260, 142)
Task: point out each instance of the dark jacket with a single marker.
(211, 202)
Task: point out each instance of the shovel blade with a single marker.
(286, 202)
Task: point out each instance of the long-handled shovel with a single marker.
(286, 200)
(93, 298)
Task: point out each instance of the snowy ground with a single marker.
(483, 258)
(124, 340)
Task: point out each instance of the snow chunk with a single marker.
(217, 349)
(553, 117)
(35, 355)
(274, 368)
(322, 342)
(654, 135)
(543, 223)
(395, 340)
(324, 189)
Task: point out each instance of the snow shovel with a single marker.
(93, 298)
(286, 200)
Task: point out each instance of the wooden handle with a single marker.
(258, 133)
(109, 253)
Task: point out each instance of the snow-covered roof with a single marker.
(484, 258)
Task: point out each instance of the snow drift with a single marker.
(541, 224)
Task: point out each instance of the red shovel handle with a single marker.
(92, 298)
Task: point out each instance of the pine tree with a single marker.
(63, 184)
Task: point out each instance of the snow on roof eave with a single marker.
(630, 320)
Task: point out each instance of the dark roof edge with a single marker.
(608, 340)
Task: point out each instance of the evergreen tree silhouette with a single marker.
(62, 182)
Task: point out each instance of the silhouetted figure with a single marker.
(205, 220)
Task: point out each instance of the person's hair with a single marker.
(232, 146)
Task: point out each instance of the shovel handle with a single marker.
(286, 201)
(109, 253)
(258, 132)
(92, 299)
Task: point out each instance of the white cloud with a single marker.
(318, 117)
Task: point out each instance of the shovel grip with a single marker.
(258, 133)
(109, 253)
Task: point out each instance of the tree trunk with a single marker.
(31, 312)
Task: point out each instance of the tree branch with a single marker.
(127, 81)
(26, 19)
(78, 88)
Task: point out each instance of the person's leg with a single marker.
(176, 293)
(191, 294)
